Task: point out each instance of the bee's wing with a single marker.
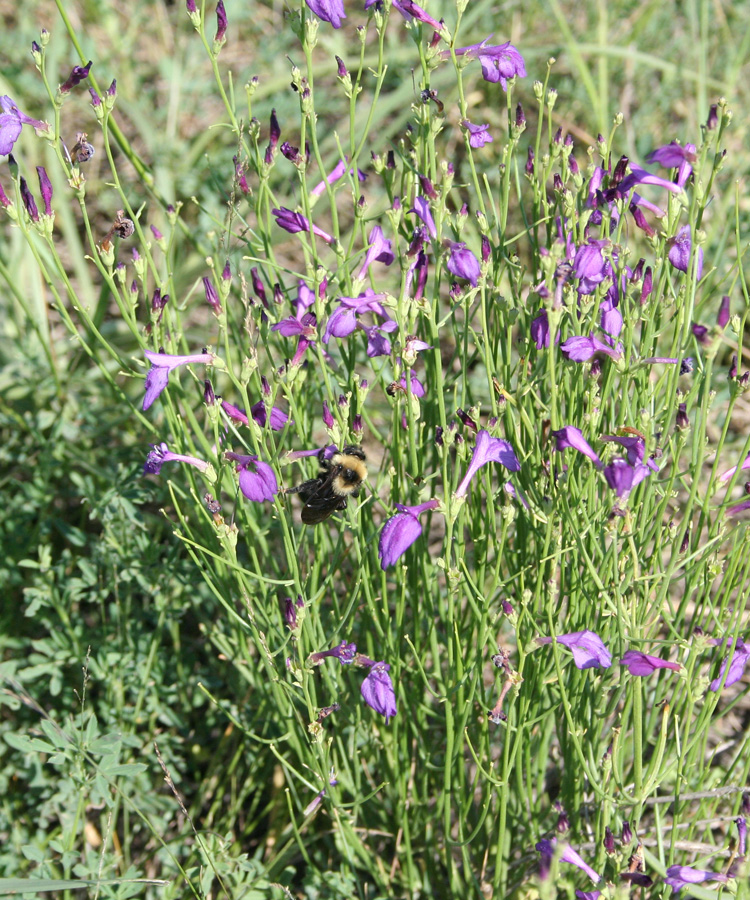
(318, 510)
(319, 498)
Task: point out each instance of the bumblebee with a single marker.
(339, 478)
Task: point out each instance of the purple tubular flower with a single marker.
(726, 476)
(590, 266)
(740, 507)
(160, 454)
(581, 349)
(409, 10)
(547, 850)
(343, 320)
(479, 135)
(736, 666)
(570, 436)
(587, 648)
(294, 222)
(539, 330)
(622, 477)
(380, 250)
(221, 22)
(611, 317)
(344, 653)
(642, 664)
(417, 388)
(277, 420)
(400, 532)
(500, 62)
(640, 176)
(328, 10)
(162, 364)
(678, 876)
(422, 209)
(635, 448)
(722, 318)
(45, 189)
(212, 296)
(12, 121)
(28, 200)
(463, 264)
(679, 252)
(338, 171)
(77, 75)
(377, 690)
(741, 824)
(672, 155)
(488, 449)
(257, 479)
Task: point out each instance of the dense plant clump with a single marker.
(415, 453)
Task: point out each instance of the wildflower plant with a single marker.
(539, 594)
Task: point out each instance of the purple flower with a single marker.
(678, 876)
(570, 436)
(622, 477)
(45, 189)
(500, 62)
(28, 199)
(212, 295)
(642, 664)
(488, 449)
(740, 507)
(336, 172)
(726, 476)
(422, 209)
(635, 448)
(294, 222)
(377, 690)
(160, 454)
(637, 176)
(400, 532)
(258, 412)
(303, 326)
(463, 264)
(257, 479)
(611, 317)
(722, 317)
(221, 22)
(344, 653)
(479, 135)
(328, 10)
(679, 252)
(590, 266)
(343, 320)
(674, 156)
(409, 10)
(547, 850)
(77, 75)
(417, 388)
(12, 121)
(379, 249)
(539, 330)
(162, 364)
(741, 835)
(278, 418)
(736, 666)
(581, 348)
(587, 648)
